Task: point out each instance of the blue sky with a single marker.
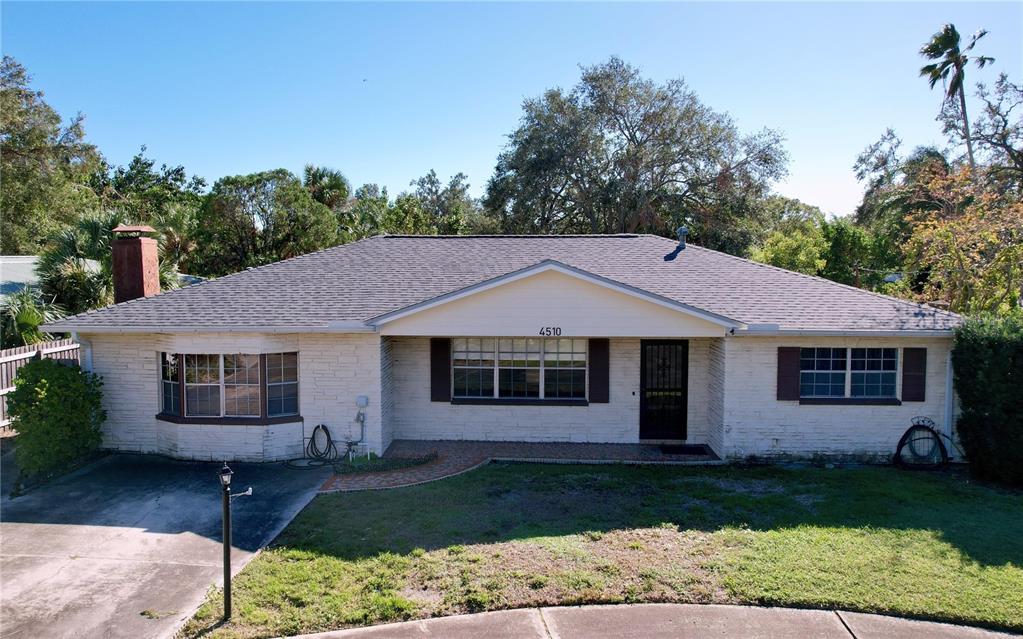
(386, 92)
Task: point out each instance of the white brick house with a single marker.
(515, 338)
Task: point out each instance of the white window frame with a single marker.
(224, 385)
(542, 368)
(848, 375)
(219, 383)
(298, 388)
(173, 382)
(897, 390)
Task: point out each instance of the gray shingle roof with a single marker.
(350, 284)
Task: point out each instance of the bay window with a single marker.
(234, 385)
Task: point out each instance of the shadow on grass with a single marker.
(506, 502)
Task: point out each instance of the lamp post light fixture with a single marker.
(225, 482)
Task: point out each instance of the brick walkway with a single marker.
(455, 457)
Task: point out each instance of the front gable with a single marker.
(552, 299)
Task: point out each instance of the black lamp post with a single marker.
(225, 482)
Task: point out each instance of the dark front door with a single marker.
(663, 389)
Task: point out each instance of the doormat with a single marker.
(684, 449)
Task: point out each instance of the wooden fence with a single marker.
(11, 359)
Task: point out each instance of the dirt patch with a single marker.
(755, 487)
(636, 565)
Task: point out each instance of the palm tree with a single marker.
(76, 271)
(21, 315)
(326, 186)
(950, 68)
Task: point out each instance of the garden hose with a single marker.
(319, 450)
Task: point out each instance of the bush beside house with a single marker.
(57, 411)
(988, 361)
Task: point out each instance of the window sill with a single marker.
(850, 401)
(229, 421)
(515, 401)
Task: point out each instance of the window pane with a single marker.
(171, 398)
(169, 366)
(875, 372)
(822, 372)
(473, 382)
(282, 399)
(519, 382)
(202, 369)
(273, 368)
(241, 369)
(202, 401)
(564, 384)
(241, 400)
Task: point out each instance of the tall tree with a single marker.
(327, 186)
(950, 68)
(143, 192)
(449, 205)
(45, 164)
(407, 216)
(251, 220)
(622, 153)
(999, 131)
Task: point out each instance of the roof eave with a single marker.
(830, 332)
(334, 327)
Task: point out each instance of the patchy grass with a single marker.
(933, 546)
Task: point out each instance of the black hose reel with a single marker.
(921, 447)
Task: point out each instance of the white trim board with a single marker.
(564, 269)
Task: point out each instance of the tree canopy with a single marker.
(622, 153)
(256, 219)
(45, 163)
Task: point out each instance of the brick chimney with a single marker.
(136, 263)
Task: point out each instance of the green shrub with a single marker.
(57, 412)
(988, 361)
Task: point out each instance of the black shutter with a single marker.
(788, 373)
(440, 369)
(600, 376)
(914, 374)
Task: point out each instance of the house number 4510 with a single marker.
(550, 331)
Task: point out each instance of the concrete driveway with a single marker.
(128, 546)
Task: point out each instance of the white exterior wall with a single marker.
(386, 393)
(577, 307)
(716, 395)
(756, 423)
(334, 369)
(416, 417)
(732, 399)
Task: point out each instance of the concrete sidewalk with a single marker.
(664, 621)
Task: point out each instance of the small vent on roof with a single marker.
(682, 233)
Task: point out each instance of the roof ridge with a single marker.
(825, 280)
(510, 235)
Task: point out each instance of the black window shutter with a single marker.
(440, 369)
(600, 376)
(914, 374)
(788, 373)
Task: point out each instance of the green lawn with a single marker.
(926, 545)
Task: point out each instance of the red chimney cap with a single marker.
(129, 228)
